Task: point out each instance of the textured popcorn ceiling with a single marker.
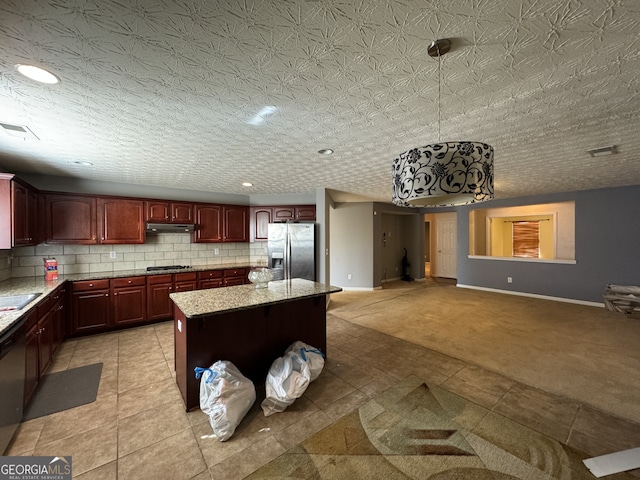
(162, 92)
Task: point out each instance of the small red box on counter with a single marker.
(50, 269)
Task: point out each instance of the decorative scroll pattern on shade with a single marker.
(526, 239)
(449, 173)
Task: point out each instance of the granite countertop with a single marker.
(201, 303)
(24, 285)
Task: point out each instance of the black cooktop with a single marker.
(168, 267)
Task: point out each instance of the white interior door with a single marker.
(445, 248)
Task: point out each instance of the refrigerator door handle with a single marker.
(288, 257)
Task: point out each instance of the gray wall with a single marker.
(607, 248)
(352, 245)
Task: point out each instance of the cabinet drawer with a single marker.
(184, 277)
(156, 279)
(88, 285)
(210, 274)
(235, 272)
(128, 282)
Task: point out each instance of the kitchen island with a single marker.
(248, 326)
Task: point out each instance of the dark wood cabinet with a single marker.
(305, 213)
(19, 222)
(90, 306)
(235, 223)
(185, 282)
(235, 276)
(25, 211)
(42, 341)
(208, 219)
(261, 217)
(32, 368)
(70, 219)
(129, 300)
(58, 318)
(121, 221)
(159, 305)
(259, 220)
(168, 212)
(210, 279)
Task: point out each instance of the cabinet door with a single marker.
(70, 219)
(19, 211)
(156, 211)
(231, 281)
(32, 369)
(260, 218)
(181, 212)
(129, 305)
(284, 214)
(90, 311)
(208, 224)
(45, 342)
(210, 279)
(121, 221)
(305, 213)
(159, 305)
(236, 223)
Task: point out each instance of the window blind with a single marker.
(526, 239)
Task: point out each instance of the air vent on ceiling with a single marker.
(21, 131)
(601, 152)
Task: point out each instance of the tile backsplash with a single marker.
(160, 249)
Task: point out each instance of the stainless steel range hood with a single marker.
(170, 227)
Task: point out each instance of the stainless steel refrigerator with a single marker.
(291, 250)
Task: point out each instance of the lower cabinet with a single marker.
(185, 282)
(159, 305)
(44, 335)
(210, 279)
(90, 306)
(235, 276)
(129, 300)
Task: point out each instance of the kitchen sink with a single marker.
(16, 302)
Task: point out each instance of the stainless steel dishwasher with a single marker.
(12, 370)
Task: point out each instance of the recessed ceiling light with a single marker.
(325, 151)
(84, 164)
(247, 184)
(38, 74)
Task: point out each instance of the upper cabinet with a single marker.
(70, 219)
(121, 220)
(77, 219)
(19, 212)
(261, 217)
(208, 223)
(235, 223)
(168, 212)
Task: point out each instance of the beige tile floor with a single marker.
(138, 429)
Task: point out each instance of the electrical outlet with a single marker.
(349, 277)
(112, 254)
(509, 280)
(216, 251)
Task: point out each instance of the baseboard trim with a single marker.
(533, 295)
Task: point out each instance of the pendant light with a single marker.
(443, 173)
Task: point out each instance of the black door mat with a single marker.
(64, 390)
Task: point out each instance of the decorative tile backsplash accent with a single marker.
(159, 250)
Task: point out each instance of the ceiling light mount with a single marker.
(444, 173)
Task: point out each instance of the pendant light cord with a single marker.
(439, 87)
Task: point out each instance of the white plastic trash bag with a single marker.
(288, 378)
(311, 355)
(225, 396)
